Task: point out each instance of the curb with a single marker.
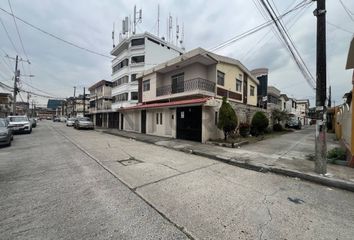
(245, 163)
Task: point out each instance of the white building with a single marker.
(133, 55)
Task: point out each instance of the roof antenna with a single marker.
(158, 20)
(137, 19)
(177, 31)
(113, 36)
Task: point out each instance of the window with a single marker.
(146, 85)
(138, 41)
(157, 118)
(221, 78)
(120, 81)
(133, 77)
(138, 59)
(134, 96)
(238, 85)
(120, 65)
(161, 118)
(252, 91)
(120, 98)
(178, 83)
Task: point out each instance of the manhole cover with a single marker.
(130, 161)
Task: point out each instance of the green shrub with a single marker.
(227, 118)
(259, 123)
(336, 154)
(277, 127)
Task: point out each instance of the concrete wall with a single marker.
(151, 94)
(132, 121)
(168, 126)
(344, 118)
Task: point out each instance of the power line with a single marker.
(290, 45)
(8, 35)
(338, 27)
(18, 32)
(36, 88)
(56, 37)
(347, 10)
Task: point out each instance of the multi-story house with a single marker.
(303, 106)
(6, 101)
(181, 97)
(101, 103)
(273, 95)
(78, 106)
(133, 55)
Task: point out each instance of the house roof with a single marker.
(195, 53)
(196, 101)
(100, 83)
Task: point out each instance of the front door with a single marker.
(189, 123)
(143, 121)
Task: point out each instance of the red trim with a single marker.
(168, 104)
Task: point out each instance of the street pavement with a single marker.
(62, 183)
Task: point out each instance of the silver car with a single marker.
(83, 123)
(70, 122)
(5, 133)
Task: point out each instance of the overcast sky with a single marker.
(58, 67)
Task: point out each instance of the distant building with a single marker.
(303, 106)
(22, 108)
(6, 101)
(262, 75)
(101, 103)
(273, 95)
(78, 106)
(54, 103)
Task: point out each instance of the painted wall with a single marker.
(151, 94)
(132, 121)
(168, 126)
(231, 73)
(251, 100)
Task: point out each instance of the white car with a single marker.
(20, 124)
(70, 122)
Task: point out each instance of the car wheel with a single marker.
(9, 144)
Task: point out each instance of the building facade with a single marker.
(133, 55)
(6, 101)
(100, 102)
(273, 98)
(181, 97)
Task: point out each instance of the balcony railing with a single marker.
(186, 86)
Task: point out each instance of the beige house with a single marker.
(101, 102)
(181, 97)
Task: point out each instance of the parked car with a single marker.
(56, 119)
(20, 124)
(70, 122)
(5, 133)
(33, 122)
(49, 118)
(83, 123)
(293, 122)
(63, 119)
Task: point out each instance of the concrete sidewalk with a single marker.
(289, 162)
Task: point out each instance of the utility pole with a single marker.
(84, 103)
(17, 75)
(321, 138)
(28, 104)
(74, 102)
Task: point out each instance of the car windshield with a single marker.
(2, 123)
(18, 119)
(84, 119)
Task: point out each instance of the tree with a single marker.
(278, 116)
(259, 123)
(227, 118)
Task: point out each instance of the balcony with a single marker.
(196, 84)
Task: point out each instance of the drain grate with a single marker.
(129, 161)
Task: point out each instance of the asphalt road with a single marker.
(61, 183)
(51, 190)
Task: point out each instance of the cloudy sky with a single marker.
(58, 67)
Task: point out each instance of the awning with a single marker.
(189, 102)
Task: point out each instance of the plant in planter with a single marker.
(244, 129)
(259, 123)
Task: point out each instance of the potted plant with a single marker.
(244, 129)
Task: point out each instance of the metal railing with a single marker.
(186, 86)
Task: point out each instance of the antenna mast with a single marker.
(158, 20)
(137, 19)
(113, 36)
